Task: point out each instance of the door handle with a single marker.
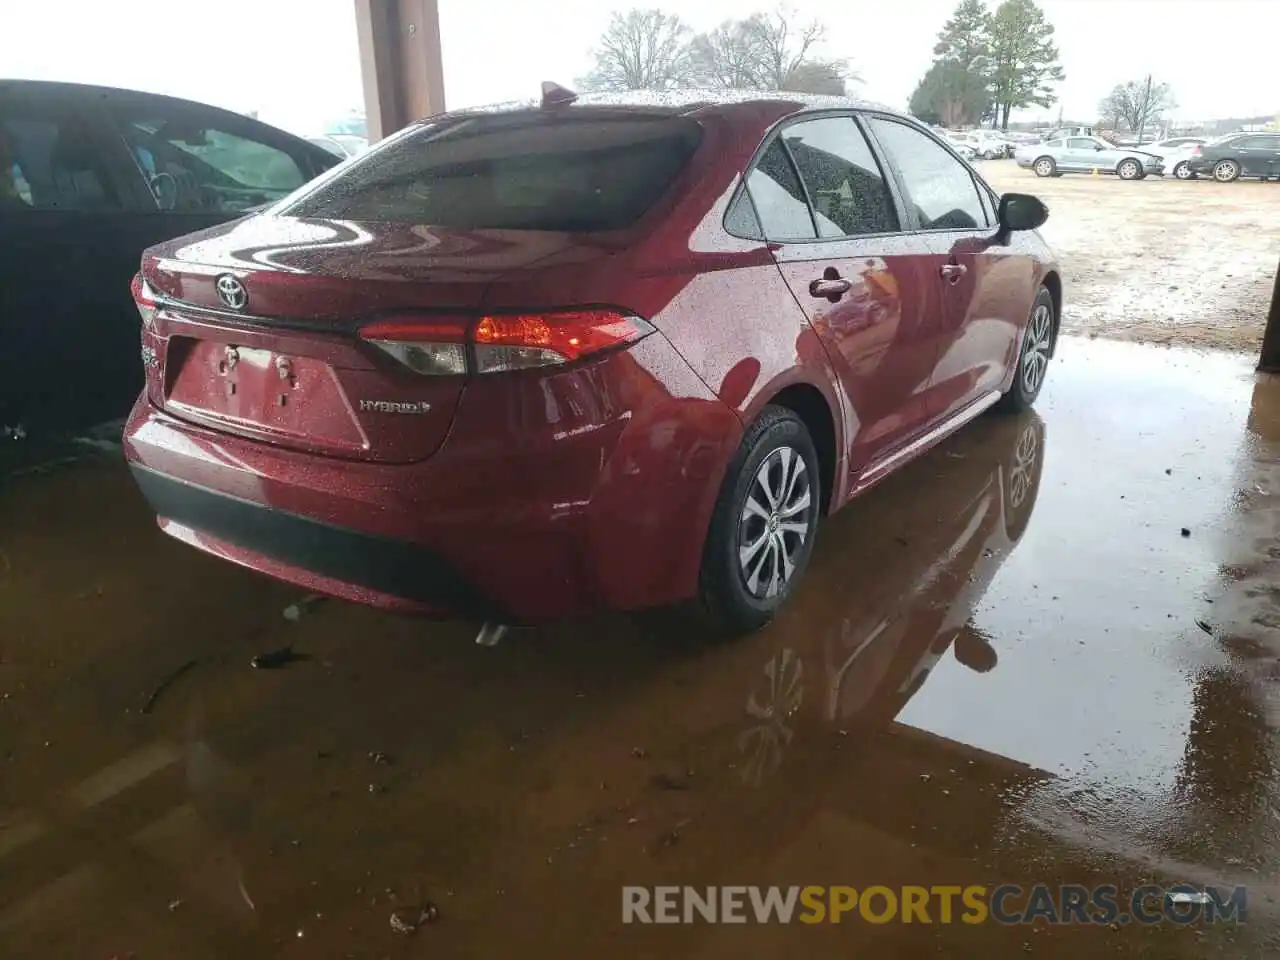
(832, 288)
(953, 271)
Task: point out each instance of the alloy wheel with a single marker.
(1035, 353)
(771, 716)
(1044, 167)
(1182, 171)
(775, 523)
(1225, 172)
(1020, 472)
(1129, 170)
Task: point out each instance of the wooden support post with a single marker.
(1269, 362)
(400, 61)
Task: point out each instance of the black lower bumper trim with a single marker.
(388, 566)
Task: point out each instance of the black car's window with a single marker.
(196, 162)
(848, 191)
(51, 162)
(515, 172)
(939, 186)
(1260, 143)
(779, 197)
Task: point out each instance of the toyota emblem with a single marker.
(232, 292)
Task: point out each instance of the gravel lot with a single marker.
(1159, 260)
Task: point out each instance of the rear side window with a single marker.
(849, 194)
(940, 187)
(779, 198)
(516, 172)
(50, 161)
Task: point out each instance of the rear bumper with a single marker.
(358, 566)
(553, 495)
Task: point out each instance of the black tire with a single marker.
(1130, 169)
(1226, 171)
(1183, 171)
(727, 597)
(1035, 338)
(1045, 167)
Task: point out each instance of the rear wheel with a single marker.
(1183, 171)
(1225, 171)
(1129, 170)
(1033, 357)
(763, 526)
(1045, 167)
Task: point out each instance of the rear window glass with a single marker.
(520, 172)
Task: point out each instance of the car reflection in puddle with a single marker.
(859, 669)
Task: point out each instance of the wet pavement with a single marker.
(1047, 652)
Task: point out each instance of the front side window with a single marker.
(846, 186)
(195, 163)
(559, 171)
(939, 187)
(51, 162)
(1081, 143)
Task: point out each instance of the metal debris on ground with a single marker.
(407, 920)
(1186, 532)
(275, 659)
(294, 612)
(1205, 627)
(164, 685)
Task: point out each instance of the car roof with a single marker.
(680, 103)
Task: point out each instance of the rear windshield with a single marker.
(517, 172)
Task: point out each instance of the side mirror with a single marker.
(1098, 146)
(1021, 211)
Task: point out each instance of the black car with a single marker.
(1239, 155)
(90, 177)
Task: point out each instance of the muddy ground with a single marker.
(1047, 652)
(1164, 261)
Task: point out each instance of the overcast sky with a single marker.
(296, 61)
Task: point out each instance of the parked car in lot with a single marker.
(1085, 155)
(1238, 155)
(90, 177)
(981, 149)
(525, 362)
(965, 148)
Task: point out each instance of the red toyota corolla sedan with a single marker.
(526, 362)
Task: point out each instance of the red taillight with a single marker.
(1196, 150)
(145, 298)
(504, 341)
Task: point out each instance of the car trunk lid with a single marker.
(257, 328)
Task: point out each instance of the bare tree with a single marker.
(1136, 104)
(730, 57)
(829, 77)
(768, 52)
(784, 43)
(642, 49)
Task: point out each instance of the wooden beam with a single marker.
(1269, 362)
(400, 62)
